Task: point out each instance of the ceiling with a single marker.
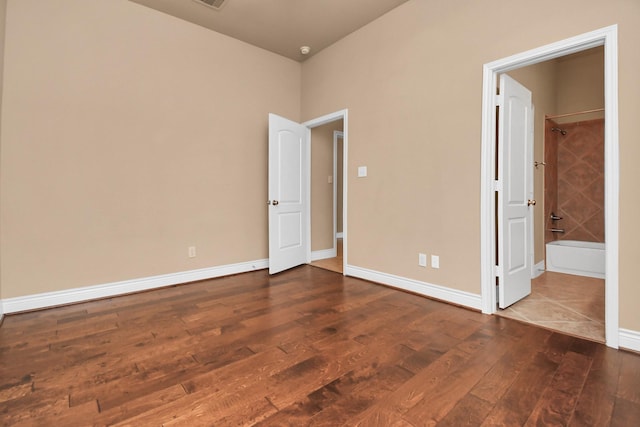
(280, 26)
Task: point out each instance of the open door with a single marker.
(288, 207)
(515, 198)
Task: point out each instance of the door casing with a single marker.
(607, 37)
(328, 118)
(336, 136)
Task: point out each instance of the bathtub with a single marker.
(575, 257)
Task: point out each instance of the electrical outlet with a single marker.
(435, 261)
(192, 251)
(422, 260)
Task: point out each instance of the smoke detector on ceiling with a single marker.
(213, 4)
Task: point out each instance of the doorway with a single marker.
(606, 37)
(289, 200)
(327, 153)
(569, 179)
(334, 118)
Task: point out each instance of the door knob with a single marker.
(531, 203)
(275, 203)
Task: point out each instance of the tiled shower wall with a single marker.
(576, 192)
(550, 180)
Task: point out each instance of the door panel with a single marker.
(290, 230)
(288, 210)
(515, 163)
(517, 245)
(290, 166)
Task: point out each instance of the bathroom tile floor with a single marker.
(563, 302)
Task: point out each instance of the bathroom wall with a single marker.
(550, 180)
(574, 176)
(580, 192)
(580, 84)
(565, 85)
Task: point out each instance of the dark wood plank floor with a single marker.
(306, 347)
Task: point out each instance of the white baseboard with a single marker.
(68, 296)
(629, 339)
(323, 254)
(538, 269)
(453, 296)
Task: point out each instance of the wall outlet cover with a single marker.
(435, 261)
(422, 260)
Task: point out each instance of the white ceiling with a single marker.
(280, 26)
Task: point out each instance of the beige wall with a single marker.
(321, 189)
(3, 10)
(128, 136)
(412, 81)
(580, 81)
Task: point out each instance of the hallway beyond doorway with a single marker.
(332, 264)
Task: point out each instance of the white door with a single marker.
(288, 208)
(515, 204)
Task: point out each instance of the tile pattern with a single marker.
(580, 192)
(550, 179)
(563, 302)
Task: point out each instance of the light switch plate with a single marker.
(362, 171)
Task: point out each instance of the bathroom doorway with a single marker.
(516, 66)
(567, 291)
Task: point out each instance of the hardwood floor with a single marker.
(305, 347)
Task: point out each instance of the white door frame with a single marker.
(608, 37)
(337, 134)
(328, 118)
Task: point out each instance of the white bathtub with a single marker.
(575, 257)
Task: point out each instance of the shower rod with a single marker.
(557, 116)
